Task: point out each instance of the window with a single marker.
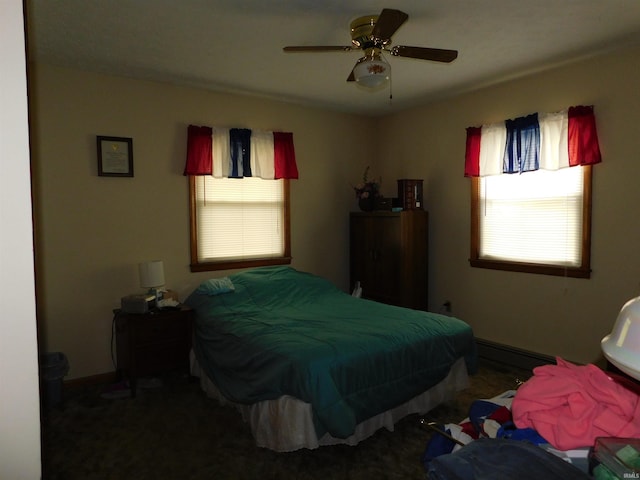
(538, 222)
(238, 223)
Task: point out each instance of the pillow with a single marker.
(216, 286)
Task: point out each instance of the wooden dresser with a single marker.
(389, 256)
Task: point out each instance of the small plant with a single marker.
(367, 188)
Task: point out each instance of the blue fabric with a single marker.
(522, 152)
(284, 332)
(438, 445)
(240, 143)
(496, 458)
(479, 411)
(509, 430)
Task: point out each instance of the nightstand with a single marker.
(153, 342)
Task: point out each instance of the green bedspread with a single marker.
(285, 332)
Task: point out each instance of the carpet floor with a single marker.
(171, 430)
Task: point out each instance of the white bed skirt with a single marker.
(286, 424)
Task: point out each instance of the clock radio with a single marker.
(137, 303)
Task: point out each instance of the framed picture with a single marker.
(115, 156)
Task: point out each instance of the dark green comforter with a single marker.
(284, 332)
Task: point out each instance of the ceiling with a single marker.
(236, 45)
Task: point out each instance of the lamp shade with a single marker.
(151, 274)
(622, 346)
(372, 72)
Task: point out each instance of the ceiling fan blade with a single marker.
(388, 22)
(422, 53)
(317, 48)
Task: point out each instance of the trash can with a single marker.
(53, 368)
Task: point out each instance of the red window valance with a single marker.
(199, 157)
(240, 152)
(538, 141)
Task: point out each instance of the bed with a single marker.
(309, 365)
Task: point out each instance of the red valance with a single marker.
(583, 138)
(538, 141)
(471, 167)
(280, 162)
(284, 155)
(199, 153)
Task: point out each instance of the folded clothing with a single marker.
(571, 405)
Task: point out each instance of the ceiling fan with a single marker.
(372, 34)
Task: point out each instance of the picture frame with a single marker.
(115, 156)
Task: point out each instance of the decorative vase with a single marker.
(366, 204)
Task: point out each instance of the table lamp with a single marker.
(152, 277)
(622, 346)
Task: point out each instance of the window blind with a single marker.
(239, 219)
(534, 217)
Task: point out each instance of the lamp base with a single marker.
(157, 296)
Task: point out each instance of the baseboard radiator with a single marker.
(506, 354)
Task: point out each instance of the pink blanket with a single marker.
(571, 405)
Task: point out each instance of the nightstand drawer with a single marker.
(156, 357)
(158, 330)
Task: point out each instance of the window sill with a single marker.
(236, 264)
(573, 272)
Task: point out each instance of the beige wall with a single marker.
(550, 315)
(92, 231)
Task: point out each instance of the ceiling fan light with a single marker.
(372, 72)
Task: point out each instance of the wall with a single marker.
(549, 315)
(92, 231)
(19, 401)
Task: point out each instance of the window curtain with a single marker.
(284, 155)
(239, 152)
(199, 153)
(262, 154)
(522, 152)
(221, 146)
(240, 141)
(546, 141)
(583, 138)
